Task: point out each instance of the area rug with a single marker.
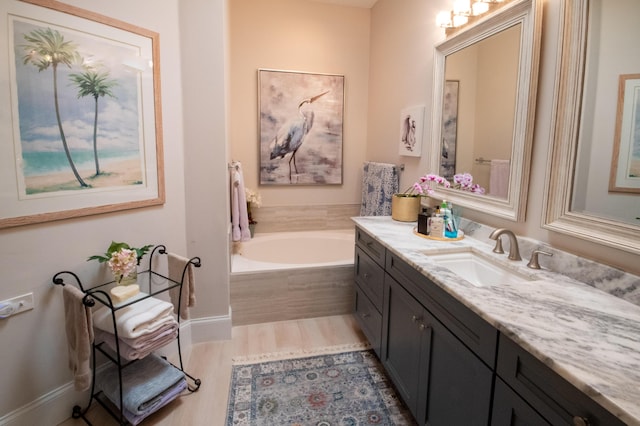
(348, 388)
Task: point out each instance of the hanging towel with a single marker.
(187, 298)
(499, 178)
(145, 316)
(379, 183)
(79, 329)
(239, 216)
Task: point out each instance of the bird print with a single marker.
(292, 134)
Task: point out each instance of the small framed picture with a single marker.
(411, 127)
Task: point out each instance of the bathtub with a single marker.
(293, 250)
(292, 275)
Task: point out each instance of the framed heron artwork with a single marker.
(80, 114)
(300, 125)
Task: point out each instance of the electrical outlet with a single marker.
(18, 304)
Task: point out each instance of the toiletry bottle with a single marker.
(423, 222)
(437, 224)
(450, 228)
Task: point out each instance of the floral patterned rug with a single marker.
(329, 390)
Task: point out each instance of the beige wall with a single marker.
(304, 36)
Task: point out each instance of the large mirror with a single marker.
(595, 135)
(485, 81)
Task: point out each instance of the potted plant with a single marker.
(253, 199)
(123, 261)
(405, 206)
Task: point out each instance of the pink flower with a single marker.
(462, 181)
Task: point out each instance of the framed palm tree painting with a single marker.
(82, 111)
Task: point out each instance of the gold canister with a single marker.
(405, 208)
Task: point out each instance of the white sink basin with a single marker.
(477, 269)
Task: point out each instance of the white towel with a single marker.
(135, 320)
(239, 216)
(499, 178)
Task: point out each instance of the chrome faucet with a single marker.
(514, 252)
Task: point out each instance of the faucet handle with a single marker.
(498, 248)
(533, 263)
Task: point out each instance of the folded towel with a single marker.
(79, 329)
(185, 296)
(168, 396)
(379, 183)
(135, 320)
(130, 352)
(239, 216)
(143, 383)
(146, 339)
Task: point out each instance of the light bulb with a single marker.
(443, 19)
(479, 8)
(461, 7)
(459, 20)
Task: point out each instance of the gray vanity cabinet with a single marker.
(554, 399)
(369, 276)
(439, 353)
(438, 377)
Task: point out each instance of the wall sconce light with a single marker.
(462, 10)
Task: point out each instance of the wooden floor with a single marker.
(211, 362)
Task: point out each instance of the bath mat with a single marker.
(348, 388)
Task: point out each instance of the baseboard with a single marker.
(56, 406)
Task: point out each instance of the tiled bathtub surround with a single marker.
(305, 218)
(606, 278)
(587, 336)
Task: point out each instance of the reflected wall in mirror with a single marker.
(486, 73)
(599, 44)
(495, 63)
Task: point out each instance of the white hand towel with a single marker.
(135, 320)
(239, 215)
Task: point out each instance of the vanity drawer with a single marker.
(370, 246)
(369, 276)
(370, 320)
(557, 400)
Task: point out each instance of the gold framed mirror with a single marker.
(495, 64)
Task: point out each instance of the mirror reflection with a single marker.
(613, 53)
(479, 104)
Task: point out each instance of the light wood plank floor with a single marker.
(211, 362)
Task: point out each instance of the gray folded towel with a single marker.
(79, 330)
(143, 383)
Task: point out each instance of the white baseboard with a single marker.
(56, 406)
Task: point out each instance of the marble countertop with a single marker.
(587, 336)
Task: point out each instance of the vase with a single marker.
(132, 278)
(405, 208)
(252, 229)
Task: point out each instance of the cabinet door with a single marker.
(459, 385)
(402, 337)
(511, 410)
(370, 320)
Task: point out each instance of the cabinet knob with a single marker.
(365, 275)
(580, 421)
(423, 327)
(415, 318)
(365, 316)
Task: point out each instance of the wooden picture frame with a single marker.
(625, 161)
(82, 133)
(300, 127)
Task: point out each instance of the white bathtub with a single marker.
(293, 250)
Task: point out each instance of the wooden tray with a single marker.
(429, 237)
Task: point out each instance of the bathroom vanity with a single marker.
(533, 348)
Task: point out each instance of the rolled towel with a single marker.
(143, 383)
(185, 296)
(79, 330)
(137, 319)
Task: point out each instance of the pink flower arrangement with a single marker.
(462, 181)
(122, 259)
